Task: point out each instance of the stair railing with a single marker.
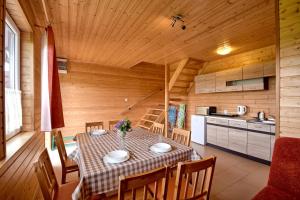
(129, 108)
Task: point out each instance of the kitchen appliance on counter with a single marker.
(261, 116)
(198, 123)
(241, 110)
(205, 110)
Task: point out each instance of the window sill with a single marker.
(14, 144)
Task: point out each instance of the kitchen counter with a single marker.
(243, 135)
(240, 118)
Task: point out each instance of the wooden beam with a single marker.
(277, 52)
(204, 66)
(166, 98)
(177, 72)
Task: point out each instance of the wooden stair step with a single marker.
(143, 126)
(153, 115)
(175, 99)
(147, 120)
(159, 109)
(177, 102)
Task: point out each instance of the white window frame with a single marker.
(17, 77)
(15, 29)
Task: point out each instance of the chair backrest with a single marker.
(186, 171)
(181, 136)
(90, 126)
(132, 183)
(112, 123)
(45, 175)
(157, 128)
(285, 166)
(59, 142)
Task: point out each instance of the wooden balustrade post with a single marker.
(166, 98)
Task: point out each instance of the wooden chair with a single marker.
(112, 123)
(132, 183)
(89, 126)
(47, 180)
(181, 136)
(186, 186)
(67, 164)
(157, 128)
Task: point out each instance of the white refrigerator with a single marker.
(198, 123)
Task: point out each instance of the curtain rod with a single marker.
(46, 13)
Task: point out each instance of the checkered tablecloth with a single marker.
(99, 177)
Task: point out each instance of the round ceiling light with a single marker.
(224, 50)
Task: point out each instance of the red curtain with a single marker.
(56, 110)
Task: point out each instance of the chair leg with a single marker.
(63, 177)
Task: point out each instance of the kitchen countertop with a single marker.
(241, 118)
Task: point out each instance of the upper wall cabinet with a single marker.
(253, 71)
(245, 78)
(205, 83)
(223, 77)
(269, 68)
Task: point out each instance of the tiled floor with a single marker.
(235, 178)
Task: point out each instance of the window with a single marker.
(13, 106)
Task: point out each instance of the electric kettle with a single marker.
(241, 110)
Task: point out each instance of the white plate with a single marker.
(161, 148)
(117, 156)
(98, 132)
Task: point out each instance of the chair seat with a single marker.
(65, 191)
(71, 165)
(273, 193)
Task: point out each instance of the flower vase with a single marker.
(122, 144)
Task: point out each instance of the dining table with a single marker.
(98, 176)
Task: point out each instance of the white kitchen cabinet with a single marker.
(237, 140)
(259, 127)
(238, 123)
(259, 145)
(217, 120)
(222, 137)
(211, 134)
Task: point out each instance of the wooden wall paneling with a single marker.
(289, 73)
(27, 81)
(255, 100)
(97, 93)
(2, 77)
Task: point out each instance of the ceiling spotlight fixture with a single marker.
(176, 18)
(224, 50)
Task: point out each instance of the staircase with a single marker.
(181, 81)
(155, 114)
(182, 76)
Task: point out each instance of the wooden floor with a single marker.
(235, 177)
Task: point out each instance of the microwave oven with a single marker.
(205, 110)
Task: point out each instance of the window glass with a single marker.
(10, 58)
(13, 95)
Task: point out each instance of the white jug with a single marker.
(241, 110)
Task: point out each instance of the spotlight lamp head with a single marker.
(176, 18)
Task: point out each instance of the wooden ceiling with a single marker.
(123, 33)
